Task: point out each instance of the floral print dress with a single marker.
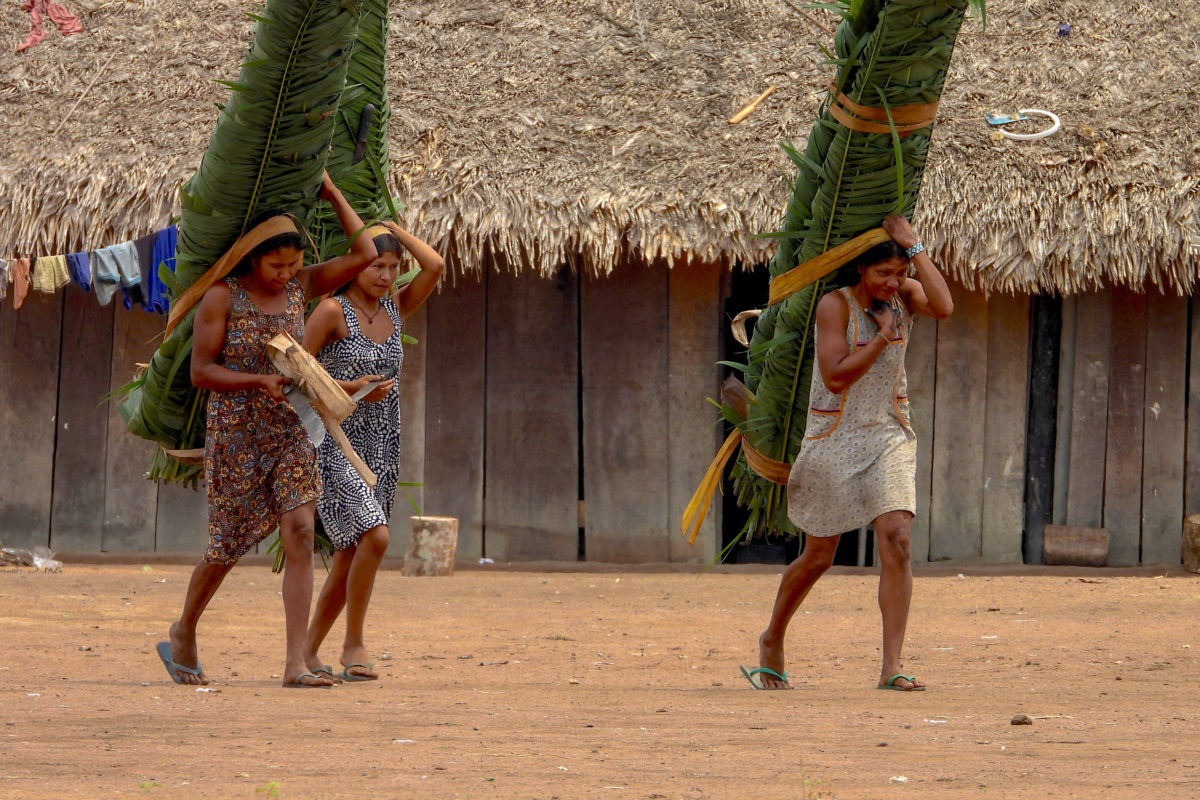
(258, 460)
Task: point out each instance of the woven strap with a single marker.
(868, 119)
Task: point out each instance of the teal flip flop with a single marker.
(173, 669)
(757, 683)
(325, 669)
(349, 678)
(296, 684)
(891, 684)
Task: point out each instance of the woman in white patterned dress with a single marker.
(857, 465)
(356, 334)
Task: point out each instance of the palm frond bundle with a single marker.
(889, 54)
(359, 159)
(267, 152)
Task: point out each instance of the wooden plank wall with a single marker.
(455, 391)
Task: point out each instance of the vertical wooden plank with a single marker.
(130, 501)
(531, 452)
(625, 426)
(29, 349)
(1126, 411)
(1004, 428)
(1065, 416)
(182, 519)
(84, 378)
(1164, 428)
(454, 408)
(694, 348)
(1089, 404)
(412, 434)
(1191, 498)
(920, 364)
(1041, 428)
(956, 506)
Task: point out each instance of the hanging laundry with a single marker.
(20, 280)
(77, 263)
(113, 267)
(68, 24)
(164, 253)
(50, 274)
(156, 293)
(5, 279)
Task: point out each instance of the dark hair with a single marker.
(884, 251)
(277, 242)
(386, 243)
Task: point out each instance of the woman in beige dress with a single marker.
(857, 465)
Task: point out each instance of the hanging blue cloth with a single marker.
(154, 294)
(165, 243)
(81, 270)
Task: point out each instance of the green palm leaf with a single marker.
(889, 53)
(267, 151)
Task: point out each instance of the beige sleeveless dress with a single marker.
(859, 456)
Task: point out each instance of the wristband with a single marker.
(886, 340)
(916, 248)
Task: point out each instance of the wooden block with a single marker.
(1164, 427)
(920, 363)
(83, 380)
(431, 547)
(412, 433)
(29, 351)
(1070, 545)
(1126, 416)
(1004, 428)
(956, 506)
(625, 423)
(130, 501)
(293, 361)
(456, 340)
(694, 342)
(1190, 544)
(1089, 404)
(531, 453)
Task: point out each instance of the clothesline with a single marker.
(133, 267)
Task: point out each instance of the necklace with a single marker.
(370, 317)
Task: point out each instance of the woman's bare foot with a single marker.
(901, 683)
(317, 667)
(353, 659)
(185, 654)
(770, 655)
(299, 675)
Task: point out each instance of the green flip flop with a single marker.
(325, 670)
(350, 678)
(757, 683)
(891, 684)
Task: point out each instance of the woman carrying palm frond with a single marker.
(857, 464)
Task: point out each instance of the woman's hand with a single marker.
(885, 318)
(901, 232)
(328, 190)
(379, 392)
(273, 385)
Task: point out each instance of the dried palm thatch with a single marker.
(545, 129)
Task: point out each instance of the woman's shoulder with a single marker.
(834, 303)
(330, 308)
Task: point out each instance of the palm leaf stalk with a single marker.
(267, 152)
(889, 54)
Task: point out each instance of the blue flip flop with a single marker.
(350, 678)
(173, 669)
(757, 684)
(296, 684)
(891, 684)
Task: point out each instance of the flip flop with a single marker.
(757, 683)
(891, 684)
(173, 669)
(296, 684)
(346, 675)
(325, 669)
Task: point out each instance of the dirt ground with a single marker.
(609, 685)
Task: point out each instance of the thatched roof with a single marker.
(550, 131)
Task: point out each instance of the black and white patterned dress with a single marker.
(347, 506)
